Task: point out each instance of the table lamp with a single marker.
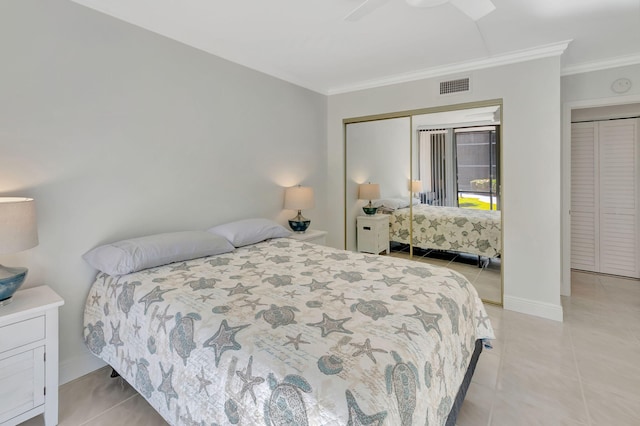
(299, 198)
(18, 231)
(416, 186)
(369, 191)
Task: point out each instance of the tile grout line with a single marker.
(498, 376)
(575, 360)
(108, 409)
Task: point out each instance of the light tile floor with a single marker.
(584, 371)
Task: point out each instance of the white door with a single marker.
(584, 193)
(618, 146)
(605, 197)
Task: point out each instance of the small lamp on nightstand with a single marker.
(369, 191)
(299, 198)
(18, 231)
(416, 187)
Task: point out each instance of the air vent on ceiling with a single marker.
(454, 86)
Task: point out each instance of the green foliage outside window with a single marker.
(482, 185)
(474, 203)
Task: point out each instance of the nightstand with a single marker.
(29, 356)
(311, 236)
(373, 233)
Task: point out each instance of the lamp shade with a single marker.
(369, 191)
(299, 198)
(18, 229)
(416, 186)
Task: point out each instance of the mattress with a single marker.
(286, 332)
(449, 228)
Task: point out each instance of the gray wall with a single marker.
(119, 132)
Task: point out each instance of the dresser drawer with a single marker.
(22, 333)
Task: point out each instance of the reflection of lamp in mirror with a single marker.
(18, 231)
(299, 198)
(369, 191)
(416, 187)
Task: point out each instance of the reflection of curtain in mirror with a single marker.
(432, 154)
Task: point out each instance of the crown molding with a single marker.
(620, 61)
(544, 51)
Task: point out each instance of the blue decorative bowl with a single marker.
(10, 281)
(370, 210)
(299, 226)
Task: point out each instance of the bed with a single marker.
(287, 332)
(449, 228)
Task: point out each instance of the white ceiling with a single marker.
(307, 42)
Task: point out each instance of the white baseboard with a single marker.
(533, 307)
(76, 367)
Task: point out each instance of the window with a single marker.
(477, 157)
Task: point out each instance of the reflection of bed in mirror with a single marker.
(448, 228)
(449, 158)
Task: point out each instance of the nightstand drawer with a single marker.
(22, 333)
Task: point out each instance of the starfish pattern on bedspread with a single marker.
(429, 321)
(224, 340)
(154, 296)
(329, 325)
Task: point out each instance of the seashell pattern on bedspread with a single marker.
(286, 332)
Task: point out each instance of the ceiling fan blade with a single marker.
(365, 8)
(474, 9)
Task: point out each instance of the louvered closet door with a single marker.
(584, 192)
(618, 181)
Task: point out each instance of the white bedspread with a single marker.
(284, 332)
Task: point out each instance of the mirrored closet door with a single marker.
(437, 172)
(378, 152)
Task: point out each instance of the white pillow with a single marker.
(394, 203)
(250, 231)
(127, 256)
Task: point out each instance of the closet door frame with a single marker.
(565, 288)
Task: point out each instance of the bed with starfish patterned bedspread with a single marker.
(286, 332)
(449, 228)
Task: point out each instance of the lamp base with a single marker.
(369, 211)
(10, 280)
(299, 223)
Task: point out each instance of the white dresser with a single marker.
(29, 357)
(373, 233)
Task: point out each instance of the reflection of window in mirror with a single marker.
(459, 167)
(477, 167)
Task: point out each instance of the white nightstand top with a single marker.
(310, 234)
(31, 299)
